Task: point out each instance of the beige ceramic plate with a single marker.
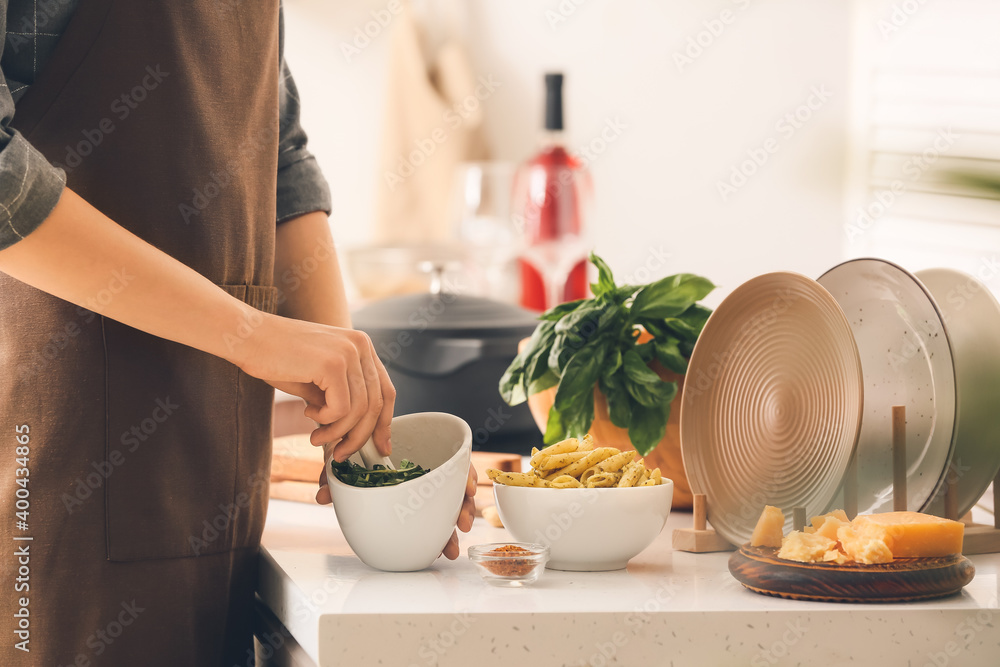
(972, 321)
(907, 361)
(772, 403)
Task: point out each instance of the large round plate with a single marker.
(906, 360)
(771, 404)
(972, 318)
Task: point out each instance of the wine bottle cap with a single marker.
(553, 101)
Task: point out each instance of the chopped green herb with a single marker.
(355, 475)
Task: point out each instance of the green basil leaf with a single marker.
(556, 313)
(554, 429)
(510, 384)
(540, 384)
(579, 377)
(651, 395)
(643, 394)
(636, 369)
(578, 421)
(646, 428)
(605, 279)
(612, 362)
(670, 296)
(584, 321)
(563, 347)
(646, 352)
(619, 405)
(689, 324)
(513, 383)
(537, 364)
(669, 354)
(624, 293)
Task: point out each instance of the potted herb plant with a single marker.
(613, 366)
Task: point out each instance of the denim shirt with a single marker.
(30, 186)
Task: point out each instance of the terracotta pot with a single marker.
(666, 455)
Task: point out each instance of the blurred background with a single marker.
(479, 150)
(725, 138)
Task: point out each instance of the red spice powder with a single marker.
(510, 566)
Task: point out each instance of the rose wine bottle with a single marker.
(548, 196)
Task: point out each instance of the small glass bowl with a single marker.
(510, 569)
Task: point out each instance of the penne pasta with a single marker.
(603, 480)
(511, 478)
(563, 447)
(565, 482)
(630, 474)
(616, 462)
(576, 464)
(592, 459)
(561, 460)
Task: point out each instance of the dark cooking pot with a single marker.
(446, 353)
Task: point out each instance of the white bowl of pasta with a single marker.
(587, 528)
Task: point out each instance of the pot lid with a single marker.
(445, 313)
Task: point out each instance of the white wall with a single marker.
(656, 184)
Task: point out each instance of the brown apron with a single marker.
(143, 484)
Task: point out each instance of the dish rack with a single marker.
(979, 538)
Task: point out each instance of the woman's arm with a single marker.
(311, 288)
(317, 295)
(77, 251)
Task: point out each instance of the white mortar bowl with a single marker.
(586, 530)
(404, 528)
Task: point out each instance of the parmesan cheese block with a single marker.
(864, 544)
(818, 521)
(835, 556)
(831, 524)
(805, 547)
(915, 535)
(770, 528)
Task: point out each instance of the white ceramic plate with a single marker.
(772, 403)
(972, 317)
(907, 361)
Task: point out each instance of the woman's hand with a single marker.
(335, 370)
(465, 517)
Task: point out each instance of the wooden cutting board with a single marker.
(903, 580)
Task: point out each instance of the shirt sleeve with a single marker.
(301, 185)
(30, 186)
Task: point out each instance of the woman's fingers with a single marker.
(382, 434)
(307, 391)
(472, 482)
(335, 384)
(451, 550)
(323, 496)
(467, 514)
(359, 393)
(363, 429)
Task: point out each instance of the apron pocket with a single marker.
(187, 435)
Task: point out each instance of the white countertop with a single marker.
(668, 607)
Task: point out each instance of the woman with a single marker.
(141, 330)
